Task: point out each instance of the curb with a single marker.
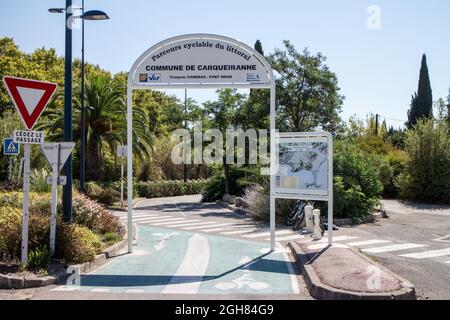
(321, 291)
(13, 281)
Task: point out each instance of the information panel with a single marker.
(303, 166)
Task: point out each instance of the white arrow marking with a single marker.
(165, 236)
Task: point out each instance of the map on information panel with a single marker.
(303, 167)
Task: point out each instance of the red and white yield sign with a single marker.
(30, 97)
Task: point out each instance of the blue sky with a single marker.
(377, 69)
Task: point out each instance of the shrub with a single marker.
(103, 194)
(89, 213)
(397, 161)
(10, 231)
(239, 179)
(38, 182)
(357, 185)
(111, 238)
(39, 257)
(169, 188)
(76, 244)
(258, 202)
(427, 170)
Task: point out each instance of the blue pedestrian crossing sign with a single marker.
(10, 148)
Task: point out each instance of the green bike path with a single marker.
(177, 262)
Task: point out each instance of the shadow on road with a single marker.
(257, 264)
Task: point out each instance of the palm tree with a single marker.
(105, 121)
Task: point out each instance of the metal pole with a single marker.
(330, 190)
(130, 165)
(376, 125)
(185, 126)
(55, 169)
(82, 117)
(19, 174)
(272, 167)
(121, 180)
(25, 205)
(68, 136)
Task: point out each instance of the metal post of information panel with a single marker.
(272, 172)
(25, 205)
(330, 189)
(130, 165)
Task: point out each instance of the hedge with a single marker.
(159, 189)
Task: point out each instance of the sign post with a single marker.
(57, 155)
(30, 97)
(121, 153)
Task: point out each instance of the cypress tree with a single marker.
(422, 102)
(258, 47)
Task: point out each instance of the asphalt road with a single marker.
(418, 246)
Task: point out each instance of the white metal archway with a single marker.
(261, 78)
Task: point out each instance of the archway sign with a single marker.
(200, 61)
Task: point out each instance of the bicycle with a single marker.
(297, 216)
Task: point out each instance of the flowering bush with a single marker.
(258, 202)
(76, 243)
(94, 216)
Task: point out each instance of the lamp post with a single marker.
(68, 133)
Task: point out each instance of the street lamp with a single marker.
(89, 15)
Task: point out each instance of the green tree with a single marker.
(254, 112)
(422, 102)
(222, 115)
(258, 47)
(307, 91)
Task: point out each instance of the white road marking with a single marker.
(265, 234)
(135, 214)
(427, 254)
(367, 242)
(194, 264)
(181, 211)
(237, 232)
(169, 221)
(200, 225)
(443, 239)
(135, 291)
(64, 288)
(140, 217)
(157, 219)
(396, 247)
(339, 238)
(225, 226)
(447, 262)
(293, 237)
(324, 245)
(99, 290)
